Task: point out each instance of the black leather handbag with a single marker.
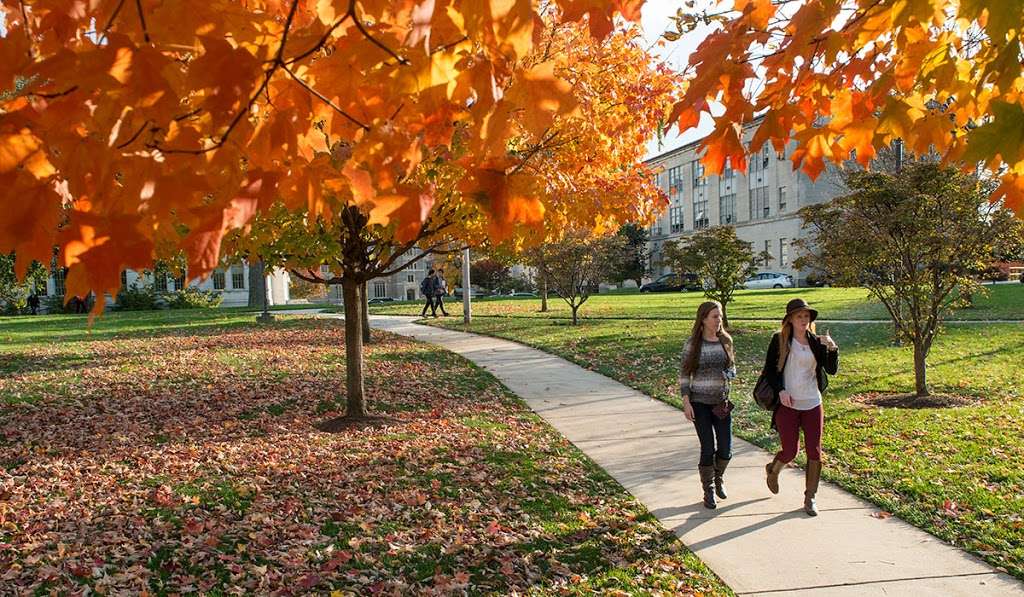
(764, 394)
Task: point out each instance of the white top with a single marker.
(798, 375)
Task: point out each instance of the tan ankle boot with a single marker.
(813, 476)
(773, 468)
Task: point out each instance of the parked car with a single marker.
(380, 300)
(473, 293)
(673, 283)
(769, 280)
(522, 294)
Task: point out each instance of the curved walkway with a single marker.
(757, 543)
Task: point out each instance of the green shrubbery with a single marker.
(137, 298)
(193, 298)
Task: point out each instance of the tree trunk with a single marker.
(725, 317)
(920, 371)
(356, 400)
(574, 309)
(543, 294)
(364, 311)
(257, 285)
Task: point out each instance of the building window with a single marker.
(58, 281)
(218, 279)
(124, 279)
(675, 180)
(783, 251)
(781, 154)
(699, 180)
(410, 294)
(759, 205)
(758, 172)
(380, 289)
(782, 199)
(179, 283)
(656, 230)
(160, 281)
(727, 209)
(410, 278)
(237, 277)
(727, 182)
(675, 215)
(700, 212)
(768, 252)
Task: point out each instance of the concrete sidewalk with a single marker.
(758, 543)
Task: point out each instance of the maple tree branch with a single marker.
(324, 98)
(135, 136)
(110, 21)
(142, 20)
(374, 41)
(449, 45)
(187, 115)
(57, 94)
(533, 151)
(323, 40)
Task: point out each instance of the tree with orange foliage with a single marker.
(583, 169)
(842, 76)
(127, 126)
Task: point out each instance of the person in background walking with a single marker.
(427, 290)
(796, 366)
(33, 303)
(441, 289)
(708, 365)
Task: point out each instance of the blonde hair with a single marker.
(785, 335)
(693, 357)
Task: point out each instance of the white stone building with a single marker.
(761, 204)
(232, 283)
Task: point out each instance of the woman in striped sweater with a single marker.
(708, 365)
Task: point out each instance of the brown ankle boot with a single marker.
(813, 476)
(720, 465)
(707, 483)
(773, 469)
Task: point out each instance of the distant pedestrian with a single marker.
(796, 367)
(427, 290)
(440, 291)
(33, 303)
(708, 366)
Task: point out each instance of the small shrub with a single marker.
(136, 298)
(193, 298)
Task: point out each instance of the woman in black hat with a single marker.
(796, 367)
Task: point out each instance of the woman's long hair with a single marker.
(697, 337)
(785, 335)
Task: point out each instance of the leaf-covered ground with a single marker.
(186, 460)
(955, 472)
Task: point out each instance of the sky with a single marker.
(654, 21)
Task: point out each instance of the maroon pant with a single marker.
(789, 422)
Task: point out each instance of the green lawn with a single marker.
(176, 452)
(956, 472)
(1005, 301)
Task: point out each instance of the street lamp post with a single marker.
(467, 309)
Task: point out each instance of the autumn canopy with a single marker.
(131, 129)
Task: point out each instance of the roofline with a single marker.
(693, 144)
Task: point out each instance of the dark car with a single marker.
(380, 300)
(673, 283)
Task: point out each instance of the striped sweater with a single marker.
(709, 384)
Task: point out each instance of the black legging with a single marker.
(709, 428)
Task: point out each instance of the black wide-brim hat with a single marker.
(799, 304)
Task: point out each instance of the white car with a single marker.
(769, 280)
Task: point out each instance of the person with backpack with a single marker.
(796, 367)
(708, 366)
(440, 290)
(427, 290)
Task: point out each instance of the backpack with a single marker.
(426, 287)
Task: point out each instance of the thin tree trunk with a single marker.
(356, 400)
(574, 309)
(920, 371)
(364, 309)
(543, 294)
(725, 317)
(257, 285)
